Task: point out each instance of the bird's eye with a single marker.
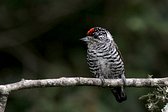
(96, 35)
(99, 34)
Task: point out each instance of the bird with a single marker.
(104, 59)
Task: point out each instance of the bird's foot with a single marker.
(102, 80)
(123, 79)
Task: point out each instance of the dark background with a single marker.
(40, 39)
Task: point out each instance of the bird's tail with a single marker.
(119, 94)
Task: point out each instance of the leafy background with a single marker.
(40, 39)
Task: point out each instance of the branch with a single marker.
(76, 81)
(80, 81)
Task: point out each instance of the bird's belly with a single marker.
(109, 69)
(104, 67)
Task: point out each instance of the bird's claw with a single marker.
(102, 81)
(123, 79)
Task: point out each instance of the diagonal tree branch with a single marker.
(76, 81)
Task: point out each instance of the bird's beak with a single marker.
(85, 39)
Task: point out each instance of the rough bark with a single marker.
(76, 81)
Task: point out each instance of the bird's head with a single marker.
(97, 35)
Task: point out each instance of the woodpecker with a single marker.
(104, 59)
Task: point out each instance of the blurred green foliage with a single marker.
(40, 39)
